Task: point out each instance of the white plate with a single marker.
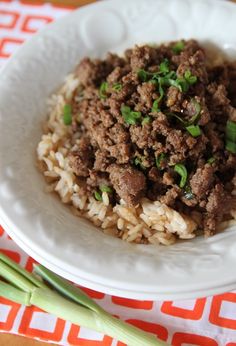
(44, 227)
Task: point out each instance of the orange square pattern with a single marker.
(26, 329)
(74, 339)
(1, 231)
(195, 314)
(14, 308)
(32, 23)
(183, 339)
(5, 43)
(132, 303)
(156, 329)
(215, 313)
(15, 256)
(93, 294)
(12, 18)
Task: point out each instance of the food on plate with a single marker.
(144, 145)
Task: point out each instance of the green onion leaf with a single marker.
(178, 47)
(10, 292)
(230, 146)
(67, 114)
(98, 196)
(211, 160)
(105, 188)
(138, 162)
(159, 160)
(194, 130)
(146, 120)
(164, 66)
(155, 106)
(143, 75)
(196, 116)
(188, 194)
(117, 87)
(231, 130)
(191, 79)
(177, 117)
(182, 171)
(103, 90)
(130, 117)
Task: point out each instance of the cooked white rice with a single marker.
(151, 222)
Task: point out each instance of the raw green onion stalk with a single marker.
(58, 297)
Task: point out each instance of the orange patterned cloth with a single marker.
(204, 322)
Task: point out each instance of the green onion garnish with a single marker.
(191, 79)
(138, 162)
(66, 301)
(230, 133)
(159, 160)
(164, 66)
(231, 130)
(105, 188)
(188, 194)
(146, 120)
(67, 114)
(117, 87)
(194, 130)
(196, 116)
(103, 90)
(143, 75)
(155, 106)
(130, 117)
(185, 82)
(98, 196)
(230, 146)
(211, 160)
(182, 171)
(178, 47)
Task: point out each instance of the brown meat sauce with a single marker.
(162, 90)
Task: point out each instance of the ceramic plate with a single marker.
(39, 222)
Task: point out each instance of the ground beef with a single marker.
(202, 180)
(81, 160)
(134, 116)
(128, 182)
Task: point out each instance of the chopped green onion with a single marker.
(146, 120)
(230, 146)
(195, 117)
(164, 66)
(177, 117)
(117, 87)
(155, 106)
(159, 160)
(194, 130)
(182, 171)
(130, 117)
(98, 196)
(231, 130)
(188, 194)
(143, 75)
(105, 188)
(138, 162)
(178, 47)
(191, 79)
(211, 160)
(103, 90)
(67, 114)
(184, 83)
